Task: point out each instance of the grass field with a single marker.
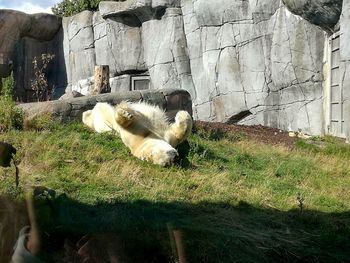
(232, 199)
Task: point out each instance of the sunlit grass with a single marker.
(229, 191)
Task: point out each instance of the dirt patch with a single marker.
(256, 132)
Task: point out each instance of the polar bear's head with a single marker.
(157, 151)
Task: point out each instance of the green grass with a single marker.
(233, 199)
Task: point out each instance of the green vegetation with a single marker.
(10, 117)
(72, 7)
(232, 198)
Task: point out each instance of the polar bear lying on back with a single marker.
(143, 128)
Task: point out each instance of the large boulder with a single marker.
(15, 25)
(79, 46)
(324, 13)
(142, 9)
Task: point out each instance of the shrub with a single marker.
(10, 116)
(40, 85)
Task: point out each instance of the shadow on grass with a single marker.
(143, 231)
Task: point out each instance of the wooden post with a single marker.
(101, 80)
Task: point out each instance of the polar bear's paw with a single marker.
(123, 117)
(183, 119)
(180, 129)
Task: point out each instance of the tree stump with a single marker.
(101, 80)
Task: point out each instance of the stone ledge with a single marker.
(108, 8)
(171, 100)
(143, 9)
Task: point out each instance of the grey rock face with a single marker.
(324, 13)
(118, 45)
(79, 46)
(26, 50)
(15, 25)
(165, 51)
(254, 63)
(24, 36)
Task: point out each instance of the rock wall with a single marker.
(22, 37)
(253, 62)
(247, 62)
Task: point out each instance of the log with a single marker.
(101, 80)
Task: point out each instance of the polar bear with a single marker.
(101, 118)
(143, 128)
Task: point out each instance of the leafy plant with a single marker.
(10, 116)
(72, 7)
(40, 85)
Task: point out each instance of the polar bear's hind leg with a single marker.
(180, 129)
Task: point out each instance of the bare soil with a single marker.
(256, 132)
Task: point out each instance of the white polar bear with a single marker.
(101, 118)
(143, 128)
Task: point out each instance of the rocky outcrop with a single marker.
(142, 10)
(254, 63)
(324, 13)
(22, 37)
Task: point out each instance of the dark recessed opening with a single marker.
(238, 117)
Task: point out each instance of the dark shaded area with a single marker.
(143, 231)
(6, 154)
(16, 25)
(26, 49)
(159, 13)
(128, 19)
(136, 16)
(131, 72)
(238, 117)
(323, 13)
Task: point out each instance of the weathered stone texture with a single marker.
(79, 46)
(118, 45)
(22, 37)
(255, 61)
(165, 52)
(27, 49)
